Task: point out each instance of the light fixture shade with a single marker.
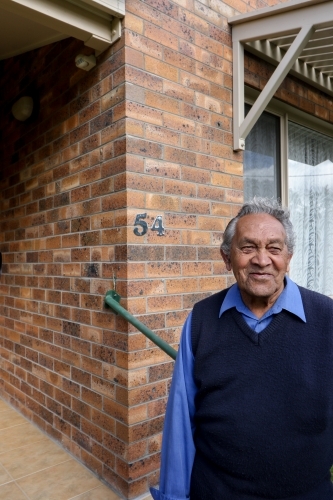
(22, 109)
(85, 62)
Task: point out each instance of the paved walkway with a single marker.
(33, 467)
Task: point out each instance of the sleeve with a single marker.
(177, 445)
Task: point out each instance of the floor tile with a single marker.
(3, 406)
(10, 418)
(33, 467)
(33, 458)
(12, 492)
(100, 493)
(61, 482)
(4, 476)
(17, 436)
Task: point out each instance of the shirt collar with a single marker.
(290, 300)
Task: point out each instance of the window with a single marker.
(262, 158)
(304, 182)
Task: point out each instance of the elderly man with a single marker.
(250, 412)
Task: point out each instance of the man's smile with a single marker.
(261, 275)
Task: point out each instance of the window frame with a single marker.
(287, 113)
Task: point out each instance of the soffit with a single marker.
(29, 24)
(295, 36)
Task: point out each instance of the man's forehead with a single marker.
(267, 240)
(260, 225)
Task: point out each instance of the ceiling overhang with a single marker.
(297, 37)
(95, 22)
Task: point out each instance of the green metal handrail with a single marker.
(112, 300)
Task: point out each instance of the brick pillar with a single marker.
(180, 166)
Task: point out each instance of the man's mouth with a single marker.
(260, 275)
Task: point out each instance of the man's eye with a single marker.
(274, 250)
(248, 249)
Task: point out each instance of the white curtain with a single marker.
(310, 178)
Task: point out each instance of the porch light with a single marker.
(22, 109)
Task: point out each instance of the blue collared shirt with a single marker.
(178, 447)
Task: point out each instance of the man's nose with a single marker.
(261, 258)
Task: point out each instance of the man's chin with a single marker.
(263, 291)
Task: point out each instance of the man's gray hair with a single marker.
(261, 206)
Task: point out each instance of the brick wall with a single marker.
(148, 131)
(63, 206)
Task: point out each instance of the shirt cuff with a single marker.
(158, 495)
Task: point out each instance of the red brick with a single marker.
(143, 44)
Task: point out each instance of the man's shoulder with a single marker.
(208, 308)
(205, 312)
(310, 297)
(216, 298)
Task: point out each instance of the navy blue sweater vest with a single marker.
(264, 407)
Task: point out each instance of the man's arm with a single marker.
(177, 445)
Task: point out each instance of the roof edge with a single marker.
(271, 11)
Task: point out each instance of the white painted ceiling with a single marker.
(18, 35)
(29, 24)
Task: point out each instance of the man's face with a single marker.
(259, 257)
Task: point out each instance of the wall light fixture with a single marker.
(22, 109)
(85, 62)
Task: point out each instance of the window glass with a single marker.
(310, 186)
(262, 158)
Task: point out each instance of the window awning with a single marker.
(297, 37)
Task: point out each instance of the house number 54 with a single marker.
(142, 226)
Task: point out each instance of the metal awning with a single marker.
(297, 37)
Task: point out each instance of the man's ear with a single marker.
(289, 259)
(226, 260)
